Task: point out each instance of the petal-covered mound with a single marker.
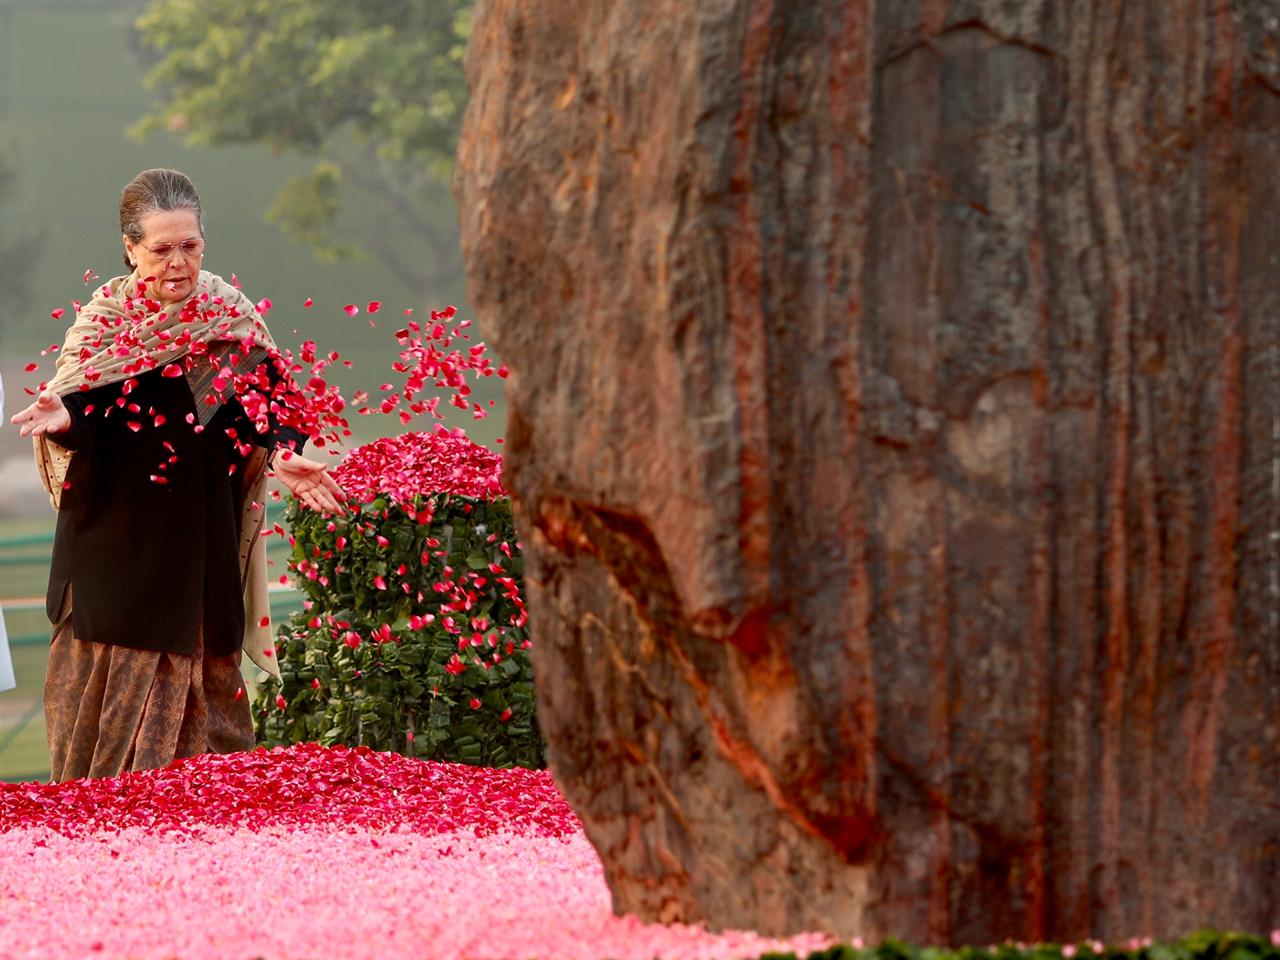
(420, 464)
(317, 852)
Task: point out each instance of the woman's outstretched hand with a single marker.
(47, 415)
(309, 481)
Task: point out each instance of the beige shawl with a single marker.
(120, 334)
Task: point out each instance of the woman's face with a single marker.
(170, 251)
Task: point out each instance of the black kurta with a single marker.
(149, 526)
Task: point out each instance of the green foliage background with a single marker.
(374, 91)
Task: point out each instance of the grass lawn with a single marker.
(24, 753)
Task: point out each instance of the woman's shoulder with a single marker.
(215, 285)
(226, 292)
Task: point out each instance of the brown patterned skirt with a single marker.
(110, 709)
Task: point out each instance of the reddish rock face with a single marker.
(894, 408)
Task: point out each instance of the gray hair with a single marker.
(154, 190)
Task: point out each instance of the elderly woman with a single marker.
(158, 473)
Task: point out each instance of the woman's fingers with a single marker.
(312, 493)
(326, 499)
(320, 501)
(310, 482)
(25, 414)
(333, 486)
(47, 414)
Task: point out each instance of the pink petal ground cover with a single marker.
(310, 852)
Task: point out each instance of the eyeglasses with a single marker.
(191, 249)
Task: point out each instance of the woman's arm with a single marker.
(277, 436)
(306, 479)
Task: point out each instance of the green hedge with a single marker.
(1203, 945)
(413, 638)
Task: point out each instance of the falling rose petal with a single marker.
(281, 702)
(57, 314)
(89, 277)
(350, 309)
(308, 302)
(427, 363)
(264, 622)
(32, 367)
(134, 426)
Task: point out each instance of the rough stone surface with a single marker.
(893, 431)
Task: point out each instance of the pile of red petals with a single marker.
(420, 464)
(304, 784)
(307, 852)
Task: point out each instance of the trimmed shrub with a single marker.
(1202, 945)
(413, 634)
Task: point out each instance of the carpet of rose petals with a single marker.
(315, 852)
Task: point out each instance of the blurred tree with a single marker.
(374, 91)
(20, 248)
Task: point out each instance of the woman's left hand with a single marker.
(309, 481)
